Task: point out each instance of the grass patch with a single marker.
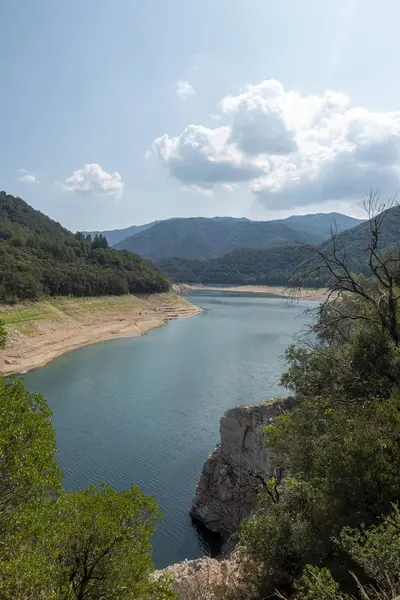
(23, 316)
(24, 328)
(65, 307)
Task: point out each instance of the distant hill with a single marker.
(202, 238)
(38, 256)
(320, 223)
(172, 236)
(114, 236)
(276, 266)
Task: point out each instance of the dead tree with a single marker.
(379, 292)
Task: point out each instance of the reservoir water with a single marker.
(146, 410)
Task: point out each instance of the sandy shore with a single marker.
(38, 332)
(269, 290)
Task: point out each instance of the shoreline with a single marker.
(39, 332)
(316, 295)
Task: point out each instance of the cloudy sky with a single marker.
(119, 113)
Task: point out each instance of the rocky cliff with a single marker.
(232, 472)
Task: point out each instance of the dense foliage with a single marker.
(324, 528)
(286, 264)
(37, 255)
(57, 545)
(273, 266)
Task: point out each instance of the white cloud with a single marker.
(91, 179)
(184, 89)
(28, 177)
(291, 149)
(203, 157)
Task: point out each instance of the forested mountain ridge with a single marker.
(201, 238)
(277, 266)
(317, 225)
(39, 256)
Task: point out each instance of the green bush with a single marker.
(92, 544)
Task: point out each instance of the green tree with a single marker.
(92, 544)
(28, 467)
(375, 553)
(287, 532)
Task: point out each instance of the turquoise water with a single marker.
(146, 410)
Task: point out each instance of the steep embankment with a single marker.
(235, 469)
(40, 331)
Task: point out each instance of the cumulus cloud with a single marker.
(91, 179)
(202, 158)
(184, 89)
(27, 177)
(292, 149)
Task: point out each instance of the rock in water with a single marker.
(233, 471)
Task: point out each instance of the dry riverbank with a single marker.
(40, 331)
(269, 290)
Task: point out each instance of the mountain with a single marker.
(321, 223)
(114, 236)
(201, 238)
(172, 237)
(38, 256)
(276, 266)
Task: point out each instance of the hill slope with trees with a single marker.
(205, 238)
(38, 256)
(282, 265)
(201, 238)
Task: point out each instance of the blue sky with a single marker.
(252, 108)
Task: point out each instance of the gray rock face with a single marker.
(232, 472)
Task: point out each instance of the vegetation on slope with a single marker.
(274, 266)
(288, 264)
(200, 238)
(38, 256)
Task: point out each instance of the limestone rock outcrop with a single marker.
(232, 472)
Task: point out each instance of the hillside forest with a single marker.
(286, 264)
(38, 256)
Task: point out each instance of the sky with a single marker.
(124, 112)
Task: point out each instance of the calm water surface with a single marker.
(146, 410)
